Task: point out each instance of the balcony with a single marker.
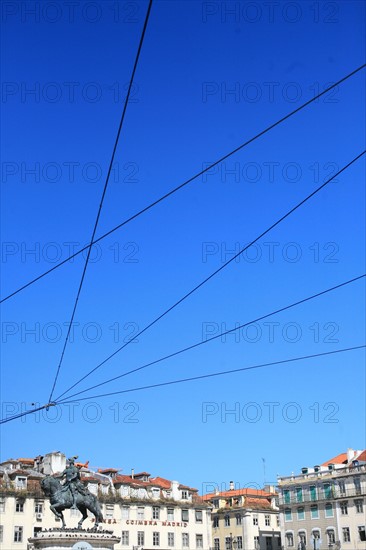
(326, 473)
(321, 495)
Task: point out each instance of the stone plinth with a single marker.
(73, 539)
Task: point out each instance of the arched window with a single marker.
(302, 537)
(331, 535)
(289, 539)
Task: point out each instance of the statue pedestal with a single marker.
(73, 539)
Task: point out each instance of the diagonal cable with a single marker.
(201, 343)
(217, 271)
(211, 375)
(203, 376)
(182, 185)
(103, 195)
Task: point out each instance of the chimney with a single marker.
(231, 485)
(350, 454)
(133, 473)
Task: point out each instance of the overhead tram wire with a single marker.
(103, 195)
(213, 374)
(190, 379)
(25, 413)
(182, 185)
(201, 343)
(215, 272)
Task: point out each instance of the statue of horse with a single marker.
(61, 499)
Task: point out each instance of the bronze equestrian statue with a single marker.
(72, 494)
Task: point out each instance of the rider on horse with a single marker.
(73, 481)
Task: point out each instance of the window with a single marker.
(238, 519)
(301, 513)
(298, 494)
(327, 490)
(19, 506)
(286, 496)
(156, 512)
(125, 538)
(215, 503)
(227, 543)
(2, 505)
(184, 495)
(216, 521)
(240, 543)
(38, 508)
(359, 505)
(18, 534)
(277, 520)
(316, 534)
(109, 510)
(140, 538)
(331, 536)
(1, 533)
(198, 516)
(344, 507)
(170, 514)
(312, 491)
(290, 539)
(302, 537)
(357, 482)
(156, 493)
(156, 538)
(328, 510)
(255, 519)
(185, 540)
(267, 520)
(346, 534)
(314, 511)
(342, 487)
(21, 482)
(227, 521)
(288, 514)
(170, 539)
(256, 543)
(185, 515)
(36, 530)
(361, 532)
(216, 544)
(125, 512)
(140, 512)
(199, 541)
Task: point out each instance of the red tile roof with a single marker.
(237, 493)
(90, 478)
(17, 472)
(128, 480)
(362, 456)
(258, 503)
(81, 465)
(339, 459)
(161, 482)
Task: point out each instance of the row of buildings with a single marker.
(322, 508)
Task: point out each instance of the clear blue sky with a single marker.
(211, 75)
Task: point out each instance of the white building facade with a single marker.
(147, 513)
(323, 508)
(245, 519)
